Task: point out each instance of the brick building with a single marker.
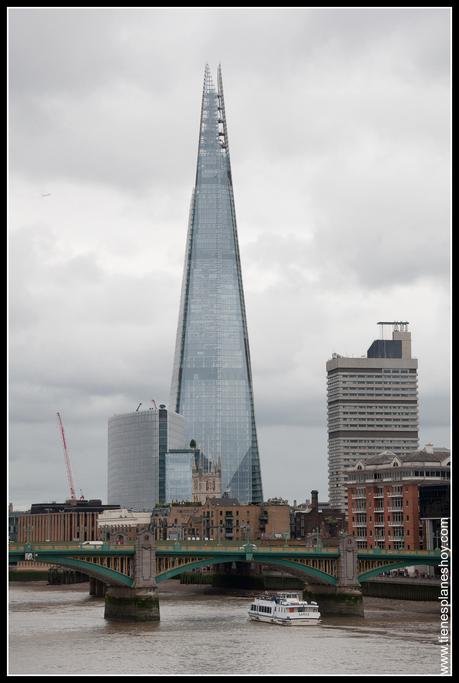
(386, 494)
(225, 519)
(316, 520)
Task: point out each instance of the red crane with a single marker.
(67, 461)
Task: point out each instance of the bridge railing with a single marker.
(173, 544)
(392, 551)
(240, 547)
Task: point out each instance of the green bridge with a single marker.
(135, 570)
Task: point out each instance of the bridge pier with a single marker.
(133, 604)
(346, 597)
(141, 602)
(96, 587)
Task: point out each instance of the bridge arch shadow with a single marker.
(294, 568)
(377, 571)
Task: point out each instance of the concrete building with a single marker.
(137, 446)
(372, 406)
(397, 501)
(316, 523)
(121, 526)
(74, 520)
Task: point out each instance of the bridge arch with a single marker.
(396, 565)
(300, 569)
(97, 571)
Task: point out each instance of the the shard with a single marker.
(212, 378)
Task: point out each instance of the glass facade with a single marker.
(212, 382)
(134, 449)
(179, 476)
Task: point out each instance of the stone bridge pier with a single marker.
(141, 602)
(346, 597)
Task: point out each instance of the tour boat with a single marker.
(284, 608)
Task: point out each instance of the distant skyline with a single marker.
(340, 137)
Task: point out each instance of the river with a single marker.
(60, 630)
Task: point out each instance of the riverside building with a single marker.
(372, 406)
(74, 520)
(397, 501)
(212, 379)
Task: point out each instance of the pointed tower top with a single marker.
(208, 82)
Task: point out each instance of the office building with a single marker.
(212, 381)
(137, 445)
(74, 520)
(372, 406)
(397, 501)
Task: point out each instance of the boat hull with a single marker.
(285, 622)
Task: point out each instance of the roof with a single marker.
(225, 501)
(437, 456)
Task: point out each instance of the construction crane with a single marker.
(67, 461)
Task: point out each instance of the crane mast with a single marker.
(67, 461)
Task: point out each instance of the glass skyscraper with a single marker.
(212, 380)
(137, 445)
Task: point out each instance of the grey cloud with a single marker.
(339, 129)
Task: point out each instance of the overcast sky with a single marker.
(339, 125)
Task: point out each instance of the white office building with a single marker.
(372, 406)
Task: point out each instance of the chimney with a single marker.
(429, 448)
(314, 501)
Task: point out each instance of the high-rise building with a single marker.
(137, 445)
(372, 406)
(212, 380)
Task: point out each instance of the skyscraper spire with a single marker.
(212, 379)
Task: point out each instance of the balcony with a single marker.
(379, 510)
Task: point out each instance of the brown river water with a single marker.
(61, 630)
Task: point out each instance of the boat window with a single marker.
(253, 607)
